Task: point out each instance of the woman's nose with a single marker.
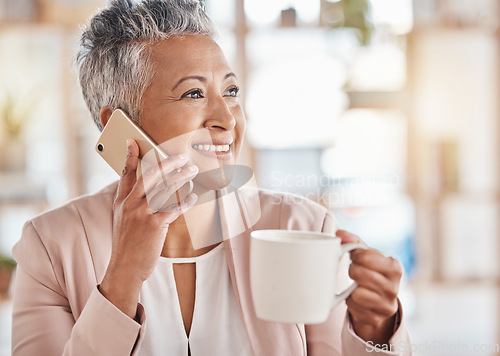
(220, 115)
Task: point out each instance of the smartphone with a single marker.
(112, 147)
(112, 144)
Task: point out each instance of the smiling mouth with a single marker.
(211, 148)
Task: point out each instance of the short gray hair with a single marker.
(114, 59)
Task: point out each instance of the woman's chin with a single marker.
(214, 179)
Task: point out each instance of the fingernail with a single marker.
(183, 157)
(129, 143)
(192, 168)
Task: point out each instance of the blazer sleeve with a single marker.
(42, 318)
(336, 336)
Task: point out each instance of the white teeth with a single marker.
(212, 148)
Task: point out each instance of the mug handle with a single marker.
(337, 298)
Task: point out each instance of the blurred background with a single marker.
(385, 111)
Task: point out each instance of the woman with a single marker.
(106, 275)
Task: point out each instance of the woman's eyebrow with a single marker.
(200, 78)
(195, 77)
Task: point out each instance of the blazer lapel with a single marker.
(238, 211)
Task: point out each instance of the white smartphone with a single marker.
(112, 147)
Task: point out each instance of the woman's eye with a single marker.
(232, 92)
(194, 94)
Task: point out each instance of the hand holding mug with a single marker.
(293, 279)
(373, 305)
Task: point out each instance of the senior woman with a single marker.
(106, 275)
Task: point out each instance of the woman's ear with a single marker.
(105, 114)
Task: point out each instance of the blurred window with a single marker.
(308, 138)
(295, 88)
(265, 13)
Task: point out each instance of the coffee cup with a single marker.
(293, 275)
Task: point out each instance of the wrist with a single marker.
(377, 333)
(122, 291)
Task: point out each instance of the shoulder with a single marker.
(294, 212)
(76, 212)
(66, 249)
(69, 229)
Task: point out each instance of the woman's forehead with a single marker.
(189, 52)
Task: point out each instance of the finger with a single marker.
(373, 281)
(348, 237)
(128, 176)
(158, 199)
(363, 298)
(170, 191)
(359, 313)
(153, 174)
(169, 216)
(187, 203)
(174, 182)
(373, 259)
(158, 174)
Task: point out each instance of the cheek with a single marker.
(173, 128)
(241, 123)
(176, 145)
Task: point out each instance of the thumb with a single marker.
(129, 175)
(347, 237)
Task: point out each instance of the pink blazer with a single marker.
(63, 255)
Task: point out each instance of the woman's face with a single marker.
(192, 105)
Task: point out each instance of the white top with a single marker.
(217, 327)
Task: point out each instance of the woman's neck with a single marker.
(195, 232)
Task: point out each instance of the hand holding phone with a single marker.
(112, 147)
(138, 235)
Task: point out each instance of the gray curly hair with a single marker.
(114, 60)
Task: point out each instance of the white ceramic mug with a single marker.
(293, 275)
